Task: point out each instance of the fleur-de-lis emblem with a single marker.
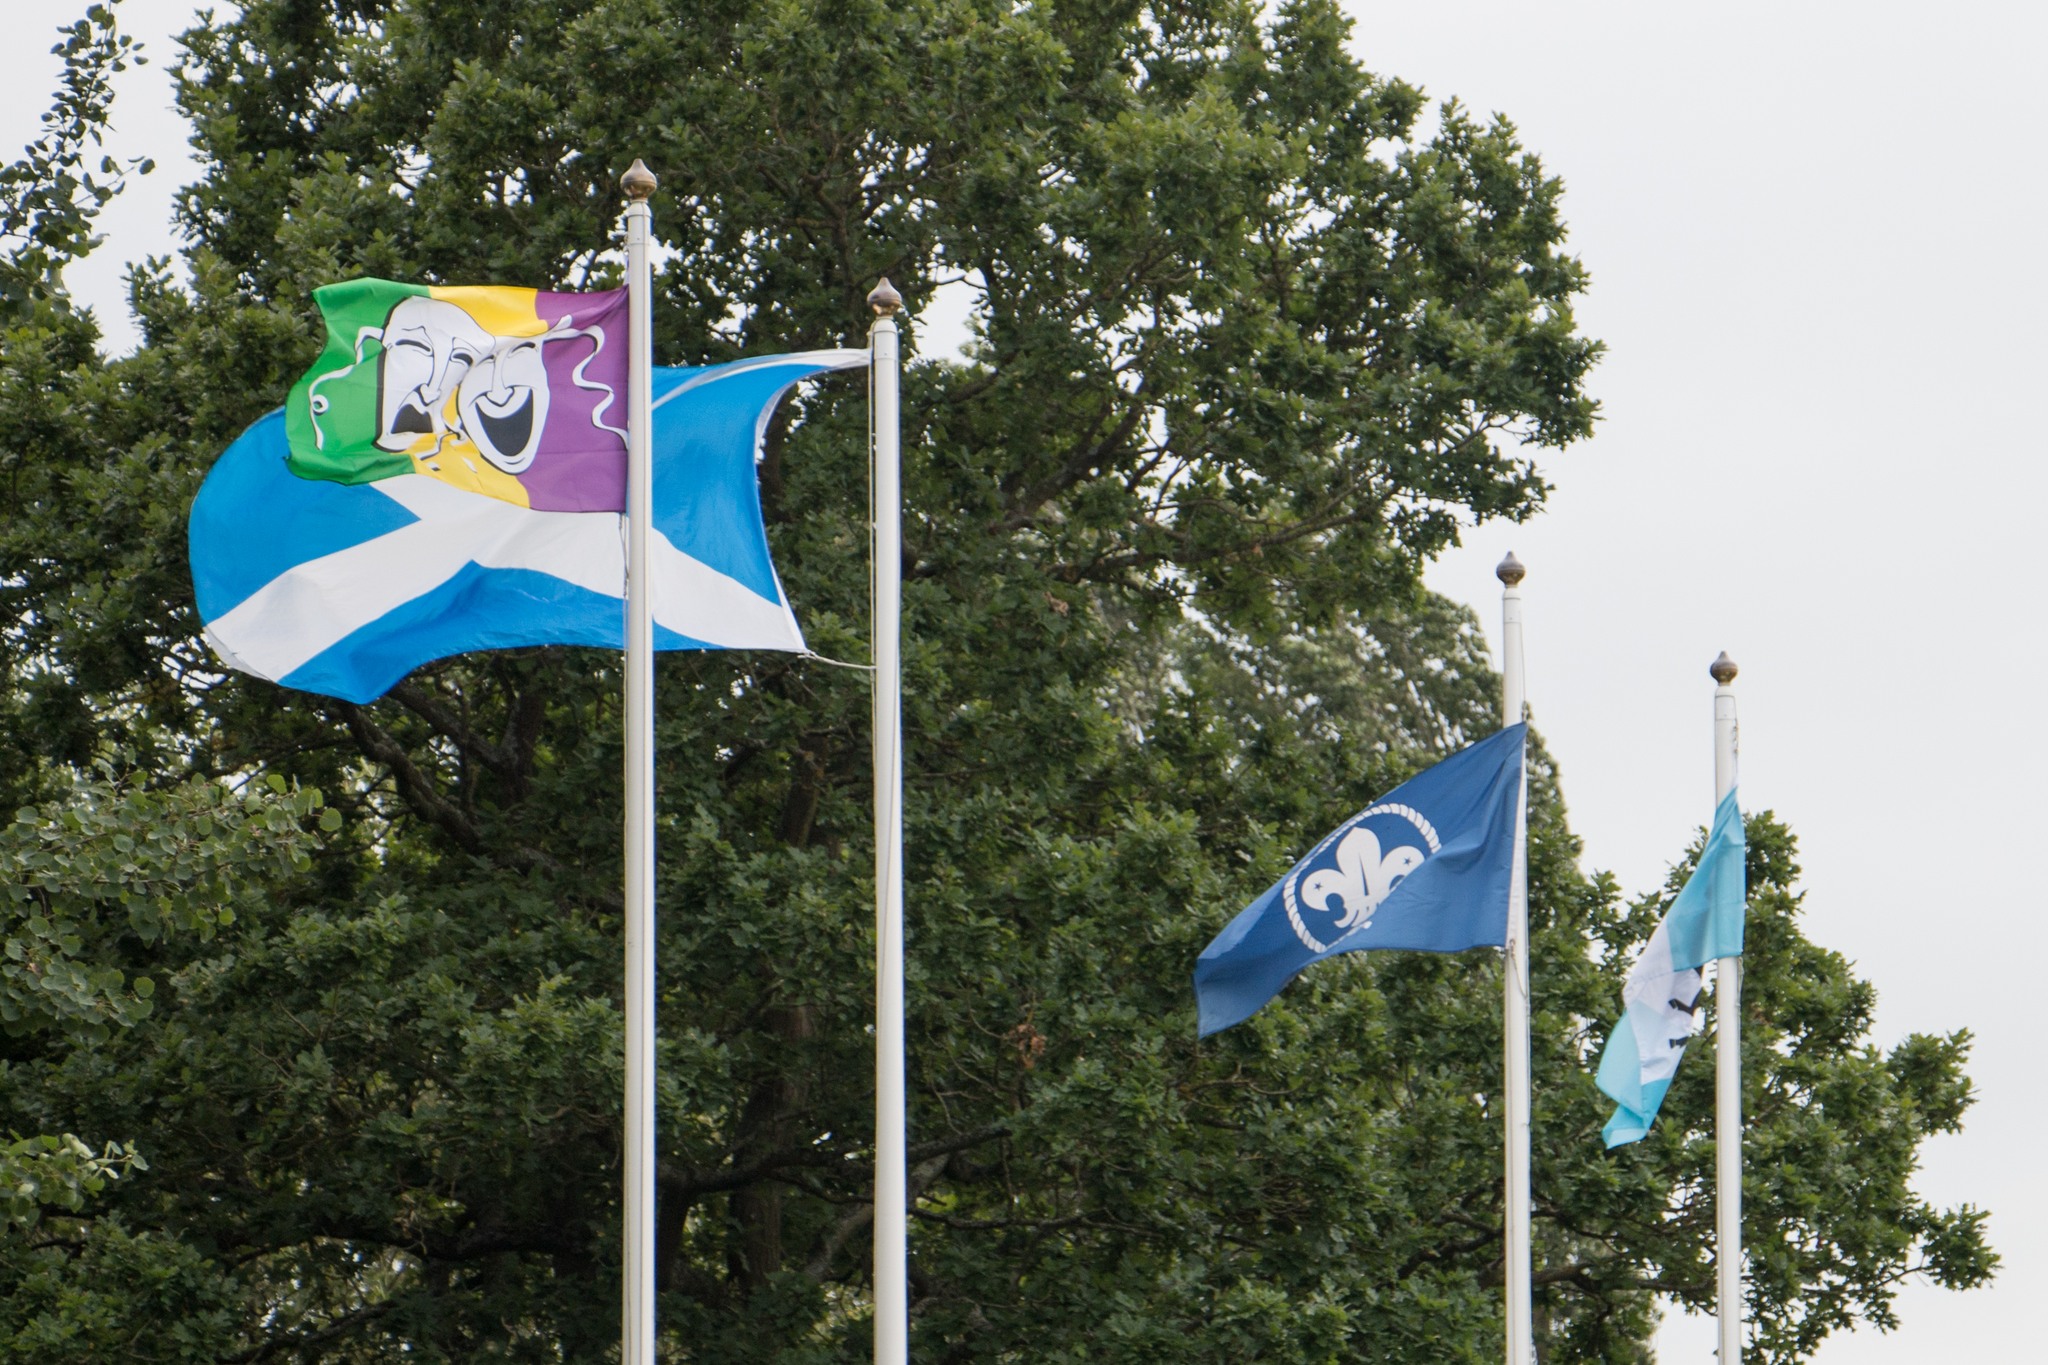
(1362, 877)
(1366, 873)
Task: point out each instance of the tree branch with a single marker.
(418, 790)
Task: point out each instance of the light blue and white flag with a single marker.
(344, 587)
(1662, 990)
(1427, 866)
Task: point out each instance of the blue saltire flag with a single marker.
(1427, 866)
(461, 516)
(1704, 923)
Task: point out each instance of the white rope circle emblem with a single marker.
(1287, 888)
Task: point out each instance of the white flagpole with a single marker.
(892, 1215)
(1727, 1058)
(1521, 1340)
(637, 1336)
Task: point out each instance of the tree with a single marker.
(90, 884)
(1251, 343)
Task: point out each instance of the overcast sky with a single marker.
(1812, 234)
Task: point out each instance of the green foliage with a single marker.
(112, 861)
(89, 885)
(48, 199)
(1252, 342)
(60, 1172)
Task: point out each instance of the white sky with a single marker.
(1813, 232)
(1812, 236)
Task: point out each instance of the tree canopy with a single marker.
(1255, 332)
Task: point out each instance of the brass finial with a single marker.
(1723, 669)
(1509, 570)
(638, 181)
(886, 302)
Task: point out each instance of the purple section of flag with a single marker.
(581, 463)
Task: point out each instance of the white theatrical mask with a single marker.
(429, 348)
(503, 402)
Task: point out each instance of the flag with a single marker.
(1427, 866)
(1662, 990)
(518, 394)
(450, 476)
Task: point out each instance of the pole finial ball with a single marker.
(1509, 570)
(1723, 669)
(638, 181)
(885, 300)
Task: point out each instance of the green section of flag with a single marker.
(331, 416)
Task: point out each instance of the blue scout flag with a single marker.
(1704, 923)
(1427, 867)
(450, 476)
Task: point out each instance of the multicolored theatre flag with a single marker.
(450, 475)
(1662, 990)
(1427, 866)
(514, 393)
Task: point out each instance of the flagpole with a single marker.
(1521, 1341)
(637, 1335)
(892, 1215)
(1727, 1058)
